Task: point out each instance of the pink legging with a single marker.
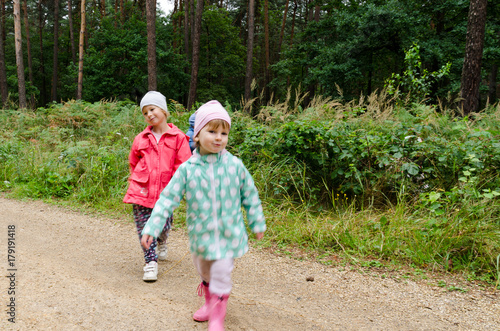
(216, 272)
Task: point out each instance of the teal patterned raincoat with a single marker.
(215, 186)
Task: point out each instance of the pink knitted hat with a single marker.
(212, 110)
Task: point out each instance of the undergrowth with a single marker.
(370, 180)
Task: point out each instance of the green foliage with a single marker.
(415, 80)
(362, 179)
(222, 58)
(74, 150)
(116, 63)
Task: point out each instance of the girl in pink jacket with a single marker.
(155, 155)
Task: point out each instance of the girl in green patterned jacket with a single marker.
(216, 185)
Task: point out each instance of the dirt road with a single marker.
(79, 272)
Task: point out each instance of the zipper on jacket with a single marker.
(211, 172)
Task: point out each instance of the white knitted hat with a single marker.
(156, 99)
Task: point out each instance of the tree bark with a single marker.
(471, 72)
(43, 92)
(196, 55)
(80, 60)
(28, 47)
(71, 34)
(187, 8)
(4, 93)
(56, 51)
(122, 12)
(317, 12)
(151, 27)
(19, 54)
(103, 8)
(293, 21)
(250, 40)
(282, 32)
(266, 41)
(186, 28)
(174, 23)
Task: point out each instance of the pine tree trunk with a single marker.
(471, 72)
(103, 8)
(293, 21)
(266, 41)
(251, 31)
(56, 51)
(80, 60)
(187, 8)
(186, 28)
(43, 92)
(28, 47)
(196, 55)
(174, 23)
(19, 54)
(282, 32)
(71, 34)
(122, 11)
(151, 27)
(4, 93)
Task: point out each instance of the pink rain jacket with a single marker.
(152, 165)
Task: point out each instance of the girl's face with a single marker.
(154, 115)
(212, 139)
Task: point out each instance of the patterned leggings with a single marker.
(141, 216)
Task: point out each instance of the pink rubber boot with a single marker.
(202, 314)
(217, 312)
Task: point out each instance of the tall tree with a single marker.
(71, 34)
(174, 22)
(41, 24)
(19, 54)
(81, 50)
(282, 32)
(471, 71)
(266, 42)
(3, 73)
(28, 47)
(187, 7)
(103, 8)
(293, 21)
(196, 55)
(251, 32)
(56, 51)
(151, 27)
(122, 11)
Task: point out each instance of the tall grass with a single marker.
(366, 180)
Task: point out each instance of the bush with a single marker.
(430, 177)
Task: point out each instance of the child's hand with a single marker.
(146, 241)
(259, 235)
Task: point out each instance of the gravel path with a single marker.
(79, 272)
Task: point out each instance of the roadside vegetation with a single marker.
(371, 183)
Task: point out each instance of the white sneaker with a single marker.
(150, 272)
(162, 252)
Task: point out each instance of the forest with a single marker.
(249, 53)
